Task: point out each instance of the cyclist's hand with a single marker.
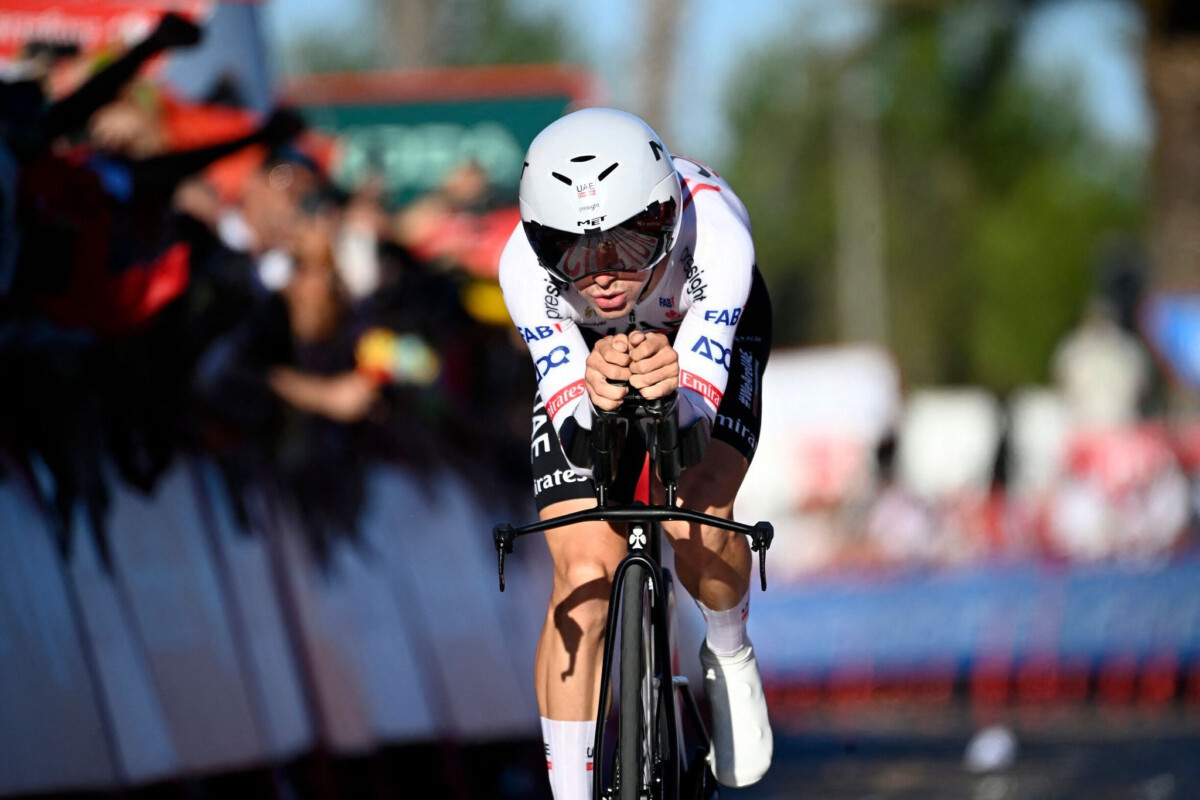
(654, 367)
(608, 361)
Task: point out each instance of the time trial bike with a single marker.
(653, 758)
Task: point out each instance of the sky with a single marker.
(1089, 39)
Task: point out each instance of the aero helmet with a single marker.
(599, 193)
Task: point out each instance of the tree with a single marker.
(432, 33)
(1173, 78)
(993, 209)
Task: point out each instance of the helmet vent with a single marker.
(607, 171)
(578, 159)
(562, 178)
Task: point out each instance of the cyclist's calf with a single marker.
(585, 557)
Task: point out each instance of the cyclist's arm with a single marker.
(555, 343)
(704, 342)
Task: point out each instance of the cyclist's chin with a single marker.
(612, 313)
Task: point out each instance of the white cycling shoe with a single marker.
(741, 733)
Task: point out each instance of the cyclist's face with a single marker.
(613, 294)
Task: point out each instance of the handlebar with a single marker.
(505, 535)
(663, 445)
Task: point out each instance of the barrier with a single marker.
(208, 648)
(46, 691)
(1018, 634)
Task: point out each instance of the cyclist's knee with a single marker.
(580, 598)
(582, 575)
(585, 557)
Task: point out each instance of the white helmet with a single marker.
(599, 193)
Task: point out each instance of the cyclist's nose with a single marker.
(605, 279)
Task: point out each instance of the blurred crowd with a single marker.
(182, 277)
(1086, 470)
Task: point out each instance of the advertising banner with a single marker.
(411, 128)
(89, 26)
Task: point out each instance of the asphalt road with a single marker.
(872, 751)
(1086, 752)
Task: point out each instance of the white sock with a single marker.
(725, 631)
(569, 757)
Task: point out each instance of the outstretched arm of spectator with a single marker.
(343, 398)
(72, 112)
(163, 173)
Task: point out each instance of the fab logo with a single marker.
(724, 316)
(538, 333)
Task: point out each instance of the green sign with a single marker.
(413, 146)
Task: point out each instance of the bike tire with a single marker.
(635, 741)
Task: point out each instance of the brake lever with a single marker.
(503, 537)
(760, 542)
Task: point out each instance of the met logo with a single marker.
(725, 316)
(713, 351)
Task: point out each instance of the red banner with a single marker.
(91, 26)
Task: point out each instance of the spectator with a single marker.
(264, 222)
(102, 252)
(1102, 370)
(324, 380)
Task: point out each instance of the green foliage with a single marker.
(467, 32)
(495, 33)
(781, 168)
(316, 52)
(997, 199)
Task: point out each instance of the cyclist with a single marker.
(633, 265)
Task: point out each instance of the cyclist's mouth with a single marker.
(612, 302)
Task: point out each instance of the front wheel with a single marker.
(635, 743)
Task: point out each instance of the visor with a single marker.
(635, 245)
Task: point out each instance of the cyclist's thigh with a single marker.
(586, 553)
(707, 554)
(710, 486)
